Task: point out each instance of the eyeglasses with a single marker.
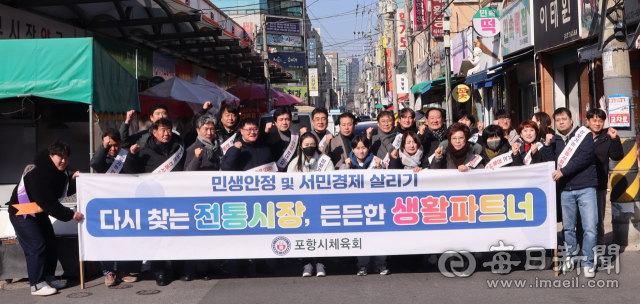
(251, 130)
(320, 119)
(386, 121)
(457, 138)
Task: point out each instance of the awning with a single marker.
(591, 52)
(379, 106)
(85, 74)
(426, 86)
(488, 82)
(513, 60)
(477, 77)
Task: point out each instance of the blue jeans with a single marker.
(378, 261)
(585, 201)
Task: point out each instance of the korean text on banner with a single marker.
(188, 215)
(313, 82)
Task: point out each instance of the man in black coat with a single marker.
(247, 153)
(228, 124)
(434, 132)
(160, 147)
(319, 124)
(607, 146)
(205, 153)
(278, 140)
(107, 152)
(577, 182)
(46, 185)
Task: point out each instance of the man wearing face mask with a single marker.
(340, 146)
(281, 141)
(607, 147)
(319, 120)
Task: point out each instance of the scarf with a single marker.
(319, 136)
(284, 136)
(356, 165)
(439, 134)
(411, 161)
(492, 154)
(209, 147)
(165, 148)
(458, 156)
(347, 142)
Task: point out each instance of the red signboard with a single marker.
(420, 19)
(389, 69)
(436, 27)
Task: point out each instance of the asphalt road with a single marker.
(343, 286)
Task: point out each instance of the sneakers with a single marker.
(44, 291)
(161, 278)
(589, 272)
(567, 266)
(127, 277)
(320, 270)
(308, 269)
(384, 270)
(110, 279)
(57, 284)
(362, 271)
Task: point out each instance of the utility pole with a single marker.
(617, 80)
(394, 54)
(265, 55)
(447, 69)
(409, 55)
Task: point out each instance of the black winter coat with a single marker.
(430, 142)
(606, 148)
(101, 160)
(506, 147)
(580, 172)
(151, 157)
(203, 164)
(45, 184)
(251, 155)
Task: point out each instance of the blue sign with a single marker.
(289, 60)
(283, 25)
(311, 47)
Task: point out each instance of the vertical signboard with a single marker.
(556, 23)
(388, 70)
(248, 29)
(516, 28)
(313, 82)
(420, 19)
(311, 48)
(437, 18)
(401, 31)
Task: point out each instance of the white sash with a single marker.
(372, 165)
(500, 161)
(385, 161)
(397, 141)
(572, 146)
(23, 197)
(322, 143)
(288, 153)
(473, 161)
(118, 162)
(527, 158)
(171, 162)
(270, 167)
(228, 143)
(323, 163)
(474, 138)
(431, 158)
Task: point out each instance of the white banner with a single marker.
(235, 215)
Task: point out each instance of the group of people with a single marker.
(226, 143)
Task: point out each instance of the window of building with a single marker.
(285, 8)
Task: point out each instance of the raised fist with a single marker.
(207, 105)
(547, 140)
(130, 114)
(613, 132)
(198, 153)
(237, 144)
(135, 149)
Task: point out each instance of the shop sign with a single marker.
(486, 22)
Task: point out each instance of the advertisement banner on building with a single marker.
(619, 111)
(311, 47)
(125, 54)
(284, 40)
(423, 71)
(486, 22)
(248, 29)
(289, 60)
(300, 92)
(590, 23)
(19, 24)
(187, 215)
(462, 93)
(555, 23)
(401, 32)
(389, 70)
(420, 17)
(403, 84)
(313, 82)
(283, 25)
(460, 49)
(516, 28)
(632, 11)
(437, 26)
(164, 66)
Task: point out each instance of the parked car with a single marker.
(364, 118)
(361, 128)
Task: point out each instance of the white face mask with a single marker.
(493, 145)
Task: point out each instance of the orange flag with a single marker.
(29, 208)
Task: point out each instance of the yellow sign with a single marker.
(313, 82)
(377, 87)
(462, 93)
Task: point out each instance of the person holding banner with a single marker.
(573, 148)
(340, 146)
(497, 152)
(108, 152)
(282, 142)
(319, 121)
(247, 153)
(607, 147)
(543, 120)
(387, 138)
(528, 153)
(309, 158)
(205, 153)
(434, 132)
(458, 154)
(503, 119)
(37, 196)
(410, 155)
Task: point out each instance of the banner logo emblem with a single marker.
(281, 246)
